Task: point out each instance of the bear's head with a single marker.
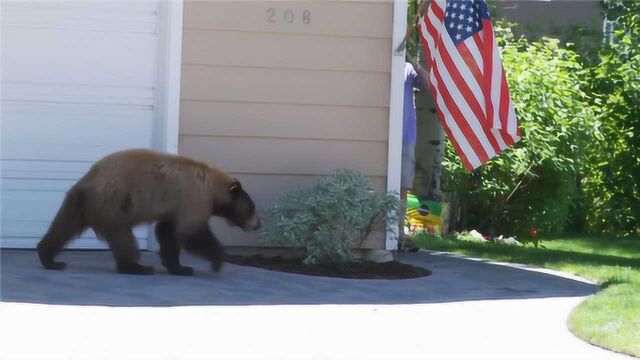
(240, 209)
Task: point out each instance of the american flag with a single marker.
(467, 79)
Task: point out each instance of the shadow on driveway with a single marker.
(90, 279)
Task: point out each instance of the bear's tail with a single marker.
(68, 223)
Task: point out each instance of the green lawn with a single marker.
(610, 318)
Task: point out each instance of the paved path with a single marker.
(465, 310)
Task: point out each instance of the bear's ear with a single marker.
(235, 187)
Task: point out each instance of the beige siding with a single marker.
(287, 156)
(281, 93)
(284, 86)
(288, 51)
(284, 121)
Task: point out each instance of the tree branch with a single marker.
(518, 184)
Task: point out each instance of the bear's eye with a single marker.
(235, 187)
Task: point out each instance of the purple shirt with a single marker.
(409, 126)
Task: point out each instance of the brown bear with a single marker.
(131, 187)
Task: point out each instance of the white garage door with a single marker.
(79, 81)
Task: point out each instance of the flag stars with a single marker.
(462, 18)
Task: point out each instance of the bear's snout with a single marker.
(253, 223)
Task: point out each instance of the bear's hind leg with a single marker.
(124, 248)
(170, 250)
(202, 242)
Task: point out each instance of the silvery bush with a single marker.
(330, 218)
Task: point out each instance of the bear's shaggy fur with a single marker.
(132, 187)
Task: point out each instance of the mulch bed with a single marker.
(359, 270)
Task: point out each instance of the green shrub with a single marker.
(330, 217)
(612, 172)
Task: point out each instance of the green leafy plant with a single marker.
(331, 217)
(612, 172)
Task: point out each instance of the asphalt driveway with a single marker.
(464, 310)
(91, 280)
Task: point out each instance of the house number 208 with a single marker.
(288, 16)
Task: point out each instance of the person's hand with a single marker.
(415, 64)
(412, 61)
(423, 73)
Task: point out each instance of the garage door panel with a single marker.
(37, 185)
(77, 151)
(77, 93)
(34, 224)
(91, 131)
(76, 110)
(33, 217)
(91, 135)
(33, 206)
(98, 41)
(111, 16)
(94, 127)
(63, 65)
(37, 229)
(32, 172)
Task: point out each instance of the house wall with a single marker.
(281, 93)
(575, 21)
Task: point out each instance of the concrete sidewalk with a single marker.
(465, 310)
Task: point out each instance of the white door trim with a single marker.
(169, 74)
(396, 100)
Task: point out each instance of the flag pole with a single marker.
(411, 28)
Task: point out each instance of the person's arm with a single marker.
(423, 74)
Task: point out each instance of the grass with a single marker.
(610, 318)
